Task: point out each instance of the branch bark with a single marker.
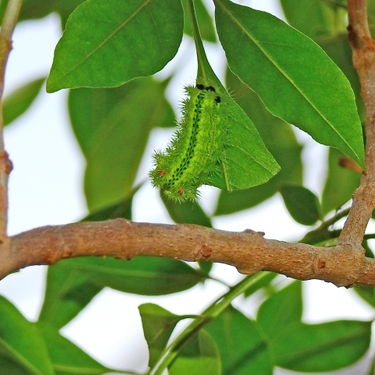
(248, 251)
(363, 49)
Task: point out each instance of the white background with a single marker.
(46, 188)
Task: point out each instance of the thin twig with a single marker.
(6, 32)
(322, 233)
(363, 48)
(9, 22)
(339, 215)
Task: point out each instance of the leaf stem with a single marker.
(205, 72)
(316, 235)
(217, 307)
(339, 215)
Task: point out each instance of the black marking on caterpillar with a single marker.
(194, 151)
(209, 88)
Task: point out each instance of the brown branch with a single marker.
(9, 22)
(248, 251)
(363, 48)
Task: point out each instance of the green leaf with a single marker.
(246, 161)
(19, 100)
(62, 7)
(302, 204)
(279, 140)
(322, 347)
(73, 283)
(158, 325)
(27, 11)
(10, 366)
(112, 127)
(187, 212)
(263, 283)
(21, 345)
(370, 11)
(32, 9)
(339, 50)
(199, 355)
(340, 184)
(312, 17)
(121, 209)
(68, 292)
(301, 347)
(66, 357)
(142, 275)
(106, 44)
(367, 293)
(292, 75)
(243, 349)
(205, 267)
(368, 250)
(281, 310)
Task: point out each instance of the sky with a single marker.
(46, 188)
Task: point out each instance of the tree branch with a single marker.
(8, 24)
(248, 251)
(363, 48)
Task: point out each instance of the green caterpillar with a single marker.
(195, 151)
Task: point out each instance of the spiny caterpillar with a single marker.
(194, 152)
